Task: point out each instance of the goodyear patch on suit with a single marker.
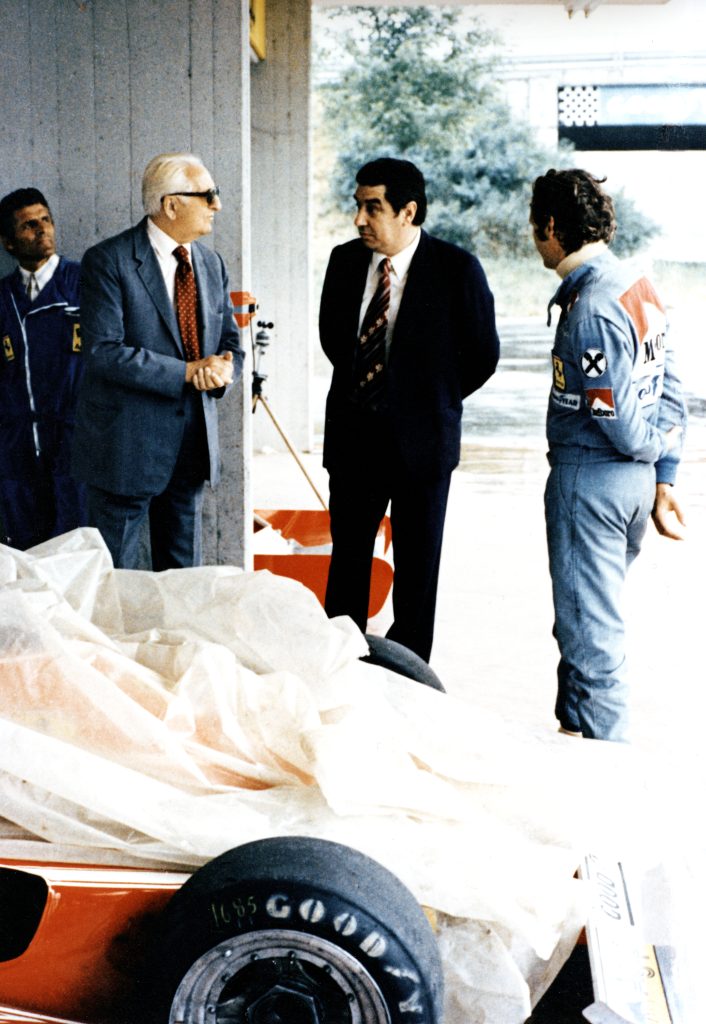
(76, 340)
(564, 401)
(7, 349)
(559, 376)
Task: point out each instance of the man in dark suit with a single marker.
(408, 323)
(161, 345)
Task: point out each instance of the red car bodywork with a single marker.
(310, 530)
(89, 944)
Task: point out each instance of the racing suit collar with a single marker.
(566, 269)
(588, 251)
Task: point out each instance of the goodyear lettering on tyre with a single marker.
(345, 924)
(413, 1004)
(313, 910)
(280, 907)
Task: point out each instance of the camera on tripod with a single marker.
(260, 346)
(244, 309)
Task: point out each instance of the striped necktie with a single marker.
(370, 354)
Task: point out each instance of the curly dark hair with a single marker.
(582, 211)
(403, 182)
(14, 201)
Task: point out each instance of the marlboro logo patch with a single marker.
(601, 403)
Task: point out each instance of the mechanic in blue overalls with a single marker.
(40, 369)
(614, 426)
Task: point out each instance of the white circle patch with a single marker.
(594, 362)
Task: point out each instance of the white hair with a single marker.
(164, 175)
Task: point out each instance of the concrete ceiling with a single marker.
(570, 6)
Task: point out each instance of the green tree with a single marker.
(400, 81)
(635, 229)
(420, 83)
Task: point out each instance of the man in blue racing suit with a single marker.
(614, 425)
(40, 369)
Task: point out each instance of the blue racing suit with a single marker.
(40, 370)
(614, 395)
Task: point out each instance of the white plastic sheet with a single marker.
(168, 717)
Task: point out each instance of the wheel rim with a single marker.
(268, 977)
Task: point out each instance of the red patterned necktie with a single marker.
(370, 356)
(185, 294)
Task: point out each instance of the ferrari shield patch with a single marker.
(559, 377)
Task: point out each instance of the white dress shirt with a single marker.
(164, 246)
(41, 276)
(398, 278)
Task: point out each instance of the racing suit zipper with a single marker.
(28, 373)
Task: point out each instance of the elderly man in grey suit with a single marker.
(161, 346)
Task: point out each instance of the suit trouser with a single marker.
(174, 515)
(357, 504)
(596, 514)
(40, 506)
(39, 499)
(174, 525)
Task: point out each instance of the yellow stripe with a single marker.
(655, 998)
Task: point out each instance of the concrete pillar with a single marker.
(281, 223)
(228, 510)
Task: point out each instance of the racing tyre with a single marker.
(295, 930)
(398, 658)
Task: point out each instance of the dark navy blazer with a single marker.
(131, 411)
(444, 347)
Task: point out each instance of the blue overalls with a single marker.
(614, 395)
(40, 371)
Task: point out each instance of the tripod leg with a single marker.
(291, 447)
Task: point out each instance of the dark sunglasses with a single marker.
(209, 195)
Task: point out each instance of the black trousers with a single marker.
(358, 502)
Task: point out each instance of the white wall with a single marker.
(281, 220)
(615, 44)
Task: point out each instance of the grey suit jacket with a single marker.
(131, 409)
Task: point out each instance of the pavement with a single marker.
(493, 644)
